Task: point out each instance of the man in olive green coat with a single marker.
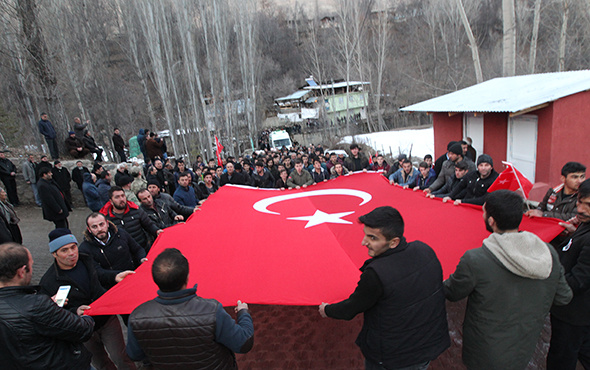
(511, 283)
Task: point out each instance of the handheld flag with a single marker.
(511, 179)
(218, 150)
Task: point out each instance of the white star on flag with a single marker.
(504, 181)
(320, 217)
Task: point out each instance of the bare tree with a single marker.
(535, 36)
(509, 39)
(472, 42)
(563, 35)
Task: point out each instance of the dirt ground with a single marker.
(286, 337)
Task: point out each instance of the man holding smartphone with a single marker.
(36, 333)
(77, 270)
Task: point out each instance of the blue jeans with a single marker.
(36, 194)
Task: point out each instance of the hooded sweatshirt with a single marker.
(523, 253)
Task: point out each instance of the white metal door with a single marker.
(522, 144)
(473, 128)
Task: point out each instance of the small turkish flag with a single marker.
(511, 179)
(218, 150)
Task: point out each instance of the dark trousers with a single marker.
(62, 224)
(10, 184)
(52, 144)
(370, 365)
(569, 343)
(122, 155)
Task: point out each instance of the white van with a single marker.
(280, 139)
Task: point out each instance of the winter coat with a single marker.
(6, 167)
(78, 175)
(162, 215)
(29, 172)
(37, 334)
(118, 143)
(401, 178)
(79, 129)
(120, 253)
(296, 179)
(574, 255)
(73, 143)
(46, 129)
(178, 208)
(153, 148)
(356, 164)
(133, 220)
(511, 283)
(186, 196)
(52, 201)
(103, 187)
(477, 188)
(91, 194)
(558, 205)
(62, 178)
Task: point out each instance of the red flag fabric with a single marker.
(370, 159)
(300, 247)
(511, 179)
(218, 149)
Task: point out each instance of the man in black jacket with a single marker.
(401, 294)
(232, 176)
(476, 184)
(77, 271)
(129, 217)
(8, 177)
(35, 332)
(193, 330)
(62, 177)
(159, 212)
(119, 145)
(92, 146)
(53, 203)
(154, 189)
(570, 324)
(114, 251)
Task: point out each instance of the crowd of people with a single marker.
(512, 282)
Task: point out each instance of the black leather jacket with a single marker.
(37, 334)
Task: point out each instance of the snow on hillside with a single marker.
(421, 141)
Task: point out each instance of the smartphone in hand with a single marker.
(62, 294)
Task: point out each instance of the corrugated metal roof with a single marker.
(508, 94)
(296, 95)
(336, 85)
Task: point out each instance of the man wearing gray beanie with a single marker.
(76, 270)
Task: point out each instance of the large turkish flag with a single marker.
(300, 247)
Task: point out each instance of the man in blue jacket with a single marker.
(48, 131)
(185, 194)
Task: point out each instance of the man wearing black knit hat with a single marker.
(477, 183)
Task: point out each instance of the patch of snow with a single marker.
(420, 141)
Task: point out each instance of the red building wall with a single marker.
(563, 135)
(446, 129)
(570, 133)
(495, 139)
(543, 171)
